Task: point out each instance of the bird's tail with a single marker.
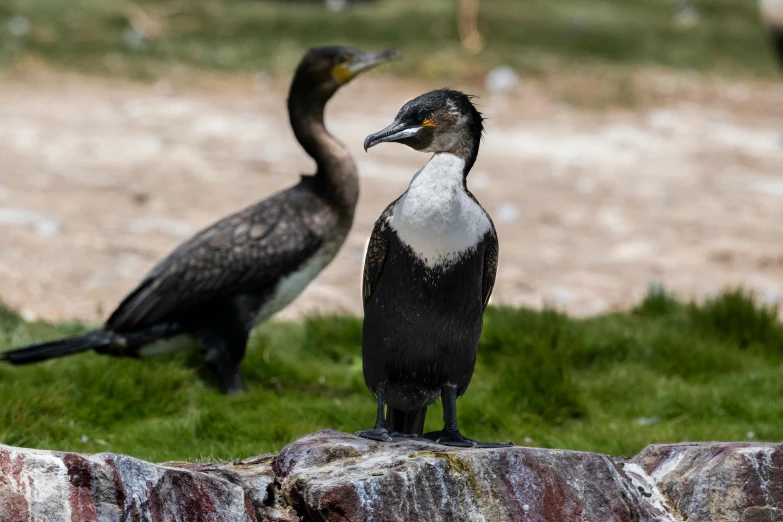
(58, 348)
(410, 422)
(104, 341)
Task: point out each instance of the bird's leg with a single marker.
(450, 434)
(381, 430)
(222, 361)
(398, 436)
(227, 372)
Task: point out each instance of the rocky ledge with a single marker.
(332, 476)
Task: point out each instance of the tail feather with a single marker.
(410, 422)
(58, 348)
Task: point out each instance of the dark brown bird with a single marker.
(246, 267)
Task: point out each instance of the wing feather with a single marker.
(376, 253)
(246, 252)
(491, 252)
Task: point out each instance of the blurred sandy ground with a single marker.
(99, 179)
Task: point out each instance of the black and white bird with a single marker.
(246, 267)
(772, 14)
(429, 271)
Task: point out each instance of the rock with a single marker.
(18, 26)
(335, 477)
(336, 5)
(506, 213)
(740, 482)
(43, 225)
(501, 80)
(686, 15)
(172, 227)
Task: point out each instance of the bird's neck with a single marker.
(464, 146)
(443, 172)
(468, 151)
(336, 171)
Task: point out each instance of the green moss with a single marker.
(459, 466)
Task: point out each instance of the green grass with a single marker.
(666, 371)
(532, 35)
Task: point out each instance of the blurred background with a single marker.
(632, 149)
(626, 143)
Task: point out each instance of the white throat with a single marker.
(436, 217)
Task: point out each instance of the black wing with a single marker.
(490, 264)
(245, 252)
(376, 253)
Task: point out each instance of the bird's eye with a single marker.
(341, 59)
(420, 116)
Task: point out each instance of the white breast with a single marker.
(435, 216)
(289, 287)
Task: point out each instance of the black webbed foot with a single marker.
(450, 434)
(400, 437)
(457, 439)
(449, 438)
(223, 364)
(379, 434)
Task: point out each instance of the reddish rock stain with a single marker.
(16, 470)
(339, 504)
(135, 516)
(13, 507)
(12, 469)
(154, 503)
(13, 503)
(249, 509)
(80, 477)
(559, 503)
(119, 489)
(5, 467)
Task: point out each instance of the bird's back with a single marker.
(249, 252)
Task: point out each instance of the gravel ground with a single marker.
(99, 179)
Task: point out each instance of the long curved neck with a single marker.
(467, 150)
(336, 175)
(471, 154)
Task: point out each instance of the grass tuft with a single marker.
(667, 371)
(736, 317)
(146, 39)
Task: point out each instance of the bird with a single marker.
(241, 270)
(772, 15)
(429, 271)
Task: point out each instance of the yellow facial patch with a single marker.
(341, 74)
(428, 123)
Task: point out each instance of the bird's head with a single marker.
(439, 121)
(323, 70)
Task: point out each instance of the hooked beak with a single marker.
(394, 132)
(369, 60)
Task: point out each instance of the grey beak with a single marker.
(394, 132)
(370, 60)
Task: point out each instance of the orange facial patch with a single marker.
(428, 123)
